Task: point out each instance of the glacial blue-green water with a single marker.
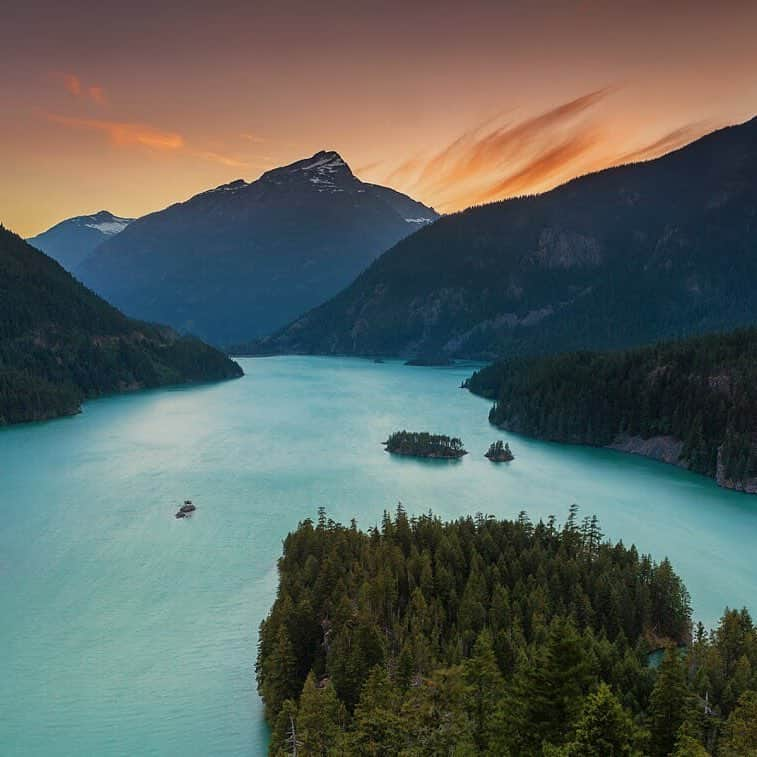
(125, 631)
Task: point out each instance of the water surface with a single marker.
(125, 631)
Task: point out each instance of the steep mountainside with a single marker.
(618, 258)
(691, 403)
(60, 343)
(71, 241)
(241, 260)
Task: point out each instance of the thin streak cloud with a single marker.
(486, 163)
(123, 133)
(670, 141)
(126, 134)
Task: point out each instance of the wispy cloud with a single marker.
(97, 94)
(668, 142)
(130, 134)
(74, 86)
(71, 83)
(541, 169)
(490, 162)
(250, 137)
(123, 133)
(226, 160)
(366, 167)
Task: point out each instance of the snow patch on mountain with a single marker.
(109, 228)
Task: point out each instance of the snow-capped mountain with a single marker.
(241, 260)
(71, 241)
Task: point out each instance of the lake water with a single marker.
(127, 632)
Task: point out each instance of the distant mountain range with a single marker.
(626, 256)
(71, 241)
(61, 344)
(241, 260)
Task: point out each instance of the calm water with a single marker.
(125, 631)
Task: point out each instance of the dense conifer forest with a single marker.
(495, 637)
(701, 392)
(61, 344)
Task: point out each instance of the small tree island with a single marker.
(423, 444)
(499, 453)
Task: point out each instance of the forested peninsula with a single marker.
(692, 403)
(61, 344)
(495, 637)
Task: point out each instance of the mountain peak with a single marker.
(325, 171)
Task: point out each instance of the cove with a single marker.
(127, 631)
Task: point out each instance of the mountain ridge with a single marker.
(72, 240)
(246, 257)
(616, 258)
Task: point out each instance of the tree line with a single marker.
(701, 391)
(495, 637)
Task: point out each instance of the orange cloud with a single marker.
(97, 94)
(671, 141)
(488, 163)
(135, 134)
(250, 137)
(121, 133)
(406, 171)
(74, 86)
(219, 158)
(71, 82)
(367, 167)
(544, 168)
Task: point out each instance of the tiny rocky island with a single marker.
(499, 453)
(423, 444)
(186, 510)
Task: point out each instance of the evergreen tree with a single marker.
(377, 726)
(485, 689)
(318, 718)
(668, 704)
(740, 732)
(548, 693)
(604, 728)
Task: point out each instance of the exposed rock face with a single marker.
(666, 449)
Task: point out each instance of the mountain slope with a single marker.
(241, 260)
(60, 343)
(617, 258)
(692, 403)
(71, 241)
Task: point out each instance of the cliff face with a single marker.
(666, 449)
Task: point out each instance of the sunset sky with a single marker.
(132, 106)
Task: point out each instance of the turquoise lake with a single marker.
(127, 632)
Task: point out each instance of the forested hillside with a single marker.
(615, 259)
(697, 398)
(492, 637)
(61, 344)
